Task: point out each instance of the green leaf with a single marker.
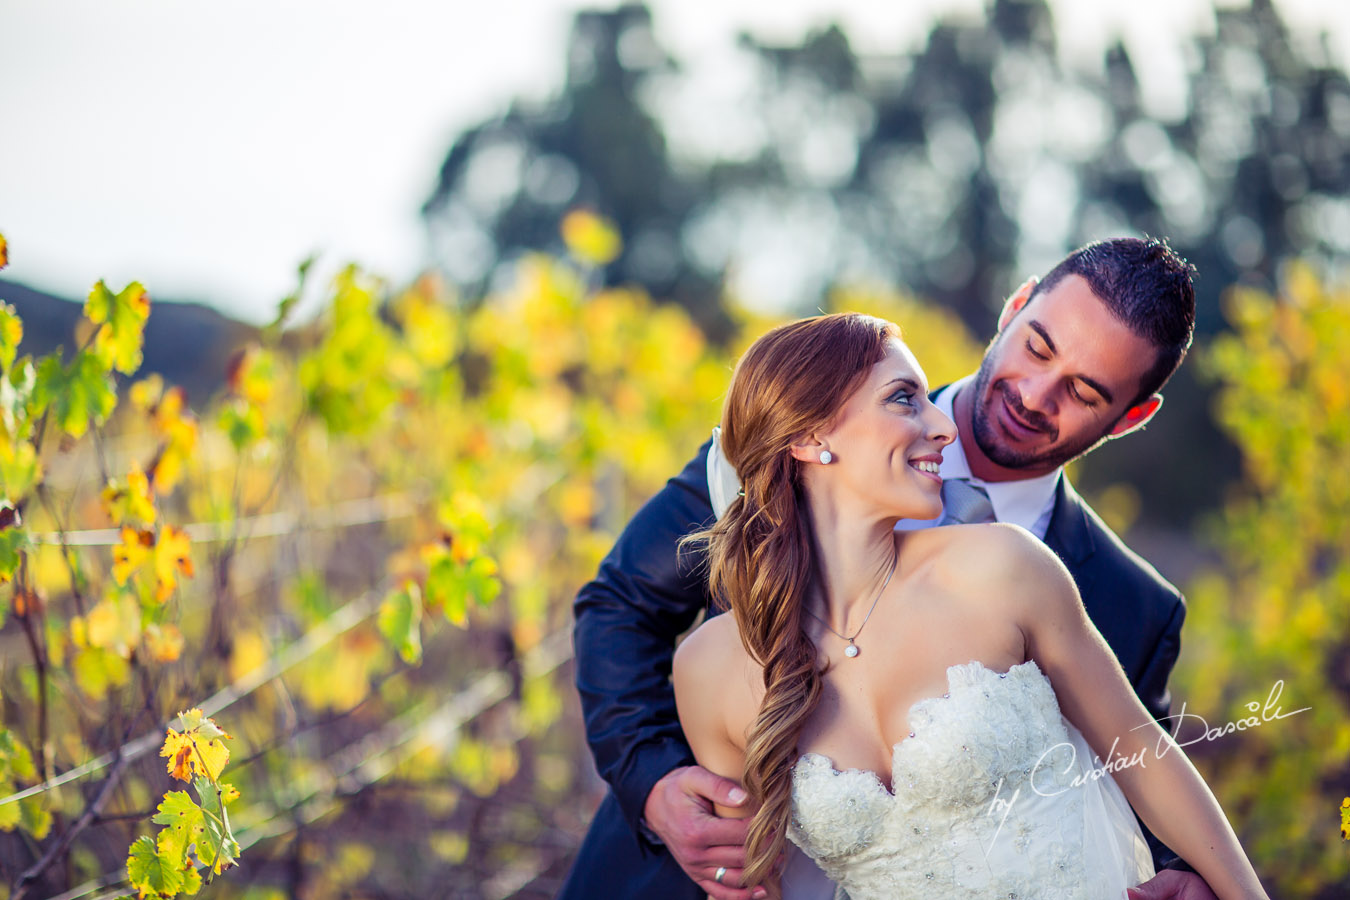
(12, 542)
(36, 816)
(16, 394)
(242, 422)
(122, 319)
(184, 825)
(400, 621)
(76, 394)
(149, 872)
(11, 333)
(221, 849)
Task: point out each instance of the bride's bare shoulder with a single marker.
(713, 649)
(996, 555)
(715, 687)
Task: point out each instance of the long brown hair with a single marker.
(790, 383)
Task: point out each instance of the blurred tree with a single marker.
(954, 171)
(505, 183)
(1267, 637)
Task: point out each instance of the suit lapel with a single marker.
(1069, 535)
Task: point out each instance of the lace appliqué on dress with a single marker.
(985, 803)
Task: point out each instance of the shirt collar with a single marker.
(1023, 502)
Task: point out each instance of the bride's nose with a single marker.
(941, 430)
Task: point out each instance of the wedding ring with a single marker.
(720, 874)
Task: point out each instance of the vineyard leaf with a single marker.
(16, 394)
(150, 873)
(130, 501)
(591, 238)
(242, 423)
(184, 825)
(173, 555)
(222, 850)
(164, 642)
(13, 541)
(76, 394)
(481, 580)
(11, 333)
(35, 816)
(20, 468)
(4, 252)
(132, 553)
(145, 393)
(122, 319)
(400, 621)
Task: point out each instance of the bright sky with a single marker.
(206, 148)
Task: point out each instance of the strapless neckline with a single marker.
(973, 666)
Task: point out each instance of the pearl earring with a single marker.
(826, 457)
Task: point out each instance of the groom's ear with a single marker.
(1014, 304)
(1136, 416)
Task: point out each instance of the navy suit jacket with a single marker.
(645, 596)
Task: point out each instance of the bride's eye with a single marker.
(905, 397)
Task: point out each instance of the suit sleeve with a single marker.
(1152, 683)
(1153, 691)
(627, 619)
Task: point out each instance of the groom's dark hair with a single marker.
(1147, 286)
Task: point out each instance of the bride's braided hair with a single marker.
(789, 384)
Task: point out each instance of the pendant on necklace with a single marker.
(851, 650)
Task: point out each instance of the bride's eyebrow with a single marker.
(907, 382)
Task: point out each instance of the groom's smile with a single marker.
(1053, 384)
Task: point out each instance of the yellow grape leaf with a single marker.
(4, 252)
(20, 468)
(144, 394)
(173, 555)
(591, 238)
(130, 501)
(251, 374)
(114, 623)
(178, 428)
(122, 318)
(135, 551)
(164, 642)
(11, 333)
(1345, 819)
(197, 749)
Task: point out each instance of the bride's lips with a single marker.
(935, 458)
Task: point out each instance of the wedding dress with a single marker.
(994, 794)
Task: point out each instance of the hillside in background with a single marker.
(187, 343)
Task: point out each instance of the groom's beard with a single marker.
(991, 442)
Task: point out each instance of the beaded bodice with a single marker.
(992, 796)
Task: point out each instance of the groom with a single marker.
(1078, 359)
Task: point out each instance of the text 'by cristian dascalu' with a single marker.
(1260, 714)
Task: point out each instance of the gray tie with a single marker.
(964, 503)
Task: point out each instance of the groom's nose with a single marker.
(1037, 394)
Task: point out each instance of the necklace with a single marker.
(852, 649)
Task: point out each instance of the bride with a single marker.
(918, 711)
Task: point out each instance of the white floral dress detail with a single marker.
(994, 794)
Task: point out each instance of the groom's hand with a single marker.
(1172, 884)
(680, 810)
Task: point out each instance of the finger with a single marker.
(723, 791)
(730, 888)
(713, 831)
(730, 855)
